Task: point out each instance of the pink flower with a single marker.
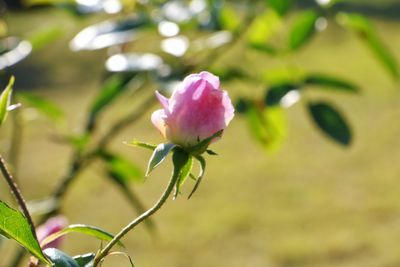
(197, 109)
(51, 226)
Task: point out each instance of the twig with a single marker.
(138, 220)
(17, 194)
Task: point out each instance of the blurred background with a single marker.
(307, 173)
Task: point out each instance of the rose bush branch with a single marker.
(17, 193)
(146, 214)
(194, 117)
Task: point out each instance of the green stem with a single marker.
(138, 220)
(17, 194)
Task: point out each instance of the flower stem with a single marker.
(17, 194)
(138, 220)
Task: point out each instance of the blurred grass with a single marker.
(311, 204)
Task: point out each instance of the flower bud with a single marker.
(51, 226)
(197, 109)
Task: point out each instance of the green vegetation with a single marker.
(310, 203)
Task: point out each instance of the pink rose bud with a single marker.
(51, 226)
(197, 109)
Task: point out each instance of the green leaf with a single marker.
(277, 92)
(44, 37)
(303, 29)
(228, 18)
(44, 106)
(80, 228)
(158, 156)
(202, 162)
(229, 73)
(141, 144)
(366, 31)
(85, 260)
(111, 89)
(5, 99)
(265, 48)
(331, 122)
(59, 258)
(330, 82)
(183, 174)
(121, 169)
(15, 226)
(241, 105)
(268, 125)
(280, 6)
(263, 28)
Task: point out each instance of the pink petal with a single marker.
(229, 109)
(158, 119)
(163, 100)
(210, 78)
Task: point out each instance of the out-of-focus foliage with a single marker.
(188, 36)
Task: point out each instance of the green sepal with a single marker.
(158, 156)
(5, 99)
(202, 146)
(182, 166)
(183, 174)
(141, 144)
(202, 162)
(211, 152)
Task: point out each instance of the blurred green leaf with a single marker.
(5, 100)
(229, 18)
(47, 2)
(228, 74)
(265, 48)
(85, 260)
(263, 28)
(303, 29)
(59, 258)
(80, 228)
(241, 105)
(331, 122)
(44, 106)
(121, 169)
(331, 82)
(366, 31)
(44, 37)
(15, 226)
(277, 92)
(202, 162)
(267, 125)
(111, 89)
(158, 156)
(280, 6)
